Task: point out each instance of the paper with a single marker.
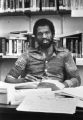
(76, 92)
(14, 96)
(48, 104)
(18, 95)
(79, 103)
(49, 82)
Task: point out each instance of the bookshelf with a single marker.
(74, 42)
(34, 7)
(14, 44)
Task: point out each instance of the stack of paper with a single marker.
(47, 104)
(76, 92)
(8, 93)
(3, 95)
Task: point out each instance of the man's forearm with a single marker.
(10, 79)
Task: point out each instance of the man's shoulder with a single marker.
(61, 49)
(62, 52)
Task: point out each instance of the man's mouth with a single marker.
(45, 41)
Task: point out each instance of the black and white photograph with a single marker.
(41, 59)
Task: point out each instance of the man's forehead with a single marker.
(43, 28)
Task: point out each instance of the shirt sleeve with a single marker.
(19, 66)
(73, 77)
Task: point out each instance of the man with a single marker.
(46, 64)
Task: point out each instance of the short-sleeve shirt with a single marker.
(58, 66)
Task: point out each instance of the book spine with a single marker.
(20, 5)
(19, 46)
(37, 5)
(0, 45)
(60, 4)
(17, 5)
(7, 46)
(1, 6)
(43, 5)
(10, 46)
(80, 49)
(64, 42)
(4, 46)
(76, 48)
(71, 45)
(47, 5)
(52, 5)
(26, 4)
(82, 43)
(15, 46)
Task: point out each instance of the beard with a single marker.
(45, 43)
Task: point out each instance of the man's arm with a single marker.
(73, 77)
(11, 79)
(17, 70)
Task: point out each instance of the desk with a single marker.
(8, 112)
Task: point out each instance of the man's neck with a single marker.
(47, 51)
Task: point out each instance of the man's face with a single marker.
(44, 36)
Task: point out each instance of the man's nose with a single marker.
(44, 35)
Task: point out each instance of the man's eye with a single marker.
(47, 32)
(40, 34)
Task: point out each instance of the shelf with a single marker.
(20, 13)
(9, 56)
(31, 13)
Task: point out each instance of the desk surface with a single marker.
(8, 112)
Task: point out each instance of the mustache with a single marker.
(45, 39)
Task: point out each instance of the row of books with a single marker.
(14, 45)
(23, 5)
(39, 5)
(70, 4)
(76, 4)
(73, 43)
(64, 4)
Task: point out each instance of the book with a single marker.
(52, 5)
(15, 93)
(26, 5)
(4, 46)
(73, 42)
(3, 96)
(34, 5)
(2, 6)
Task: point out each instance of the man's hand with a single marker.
(53, 84)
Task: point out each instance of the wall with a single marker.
(64, 24)
(13, 23)
(72, 24)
